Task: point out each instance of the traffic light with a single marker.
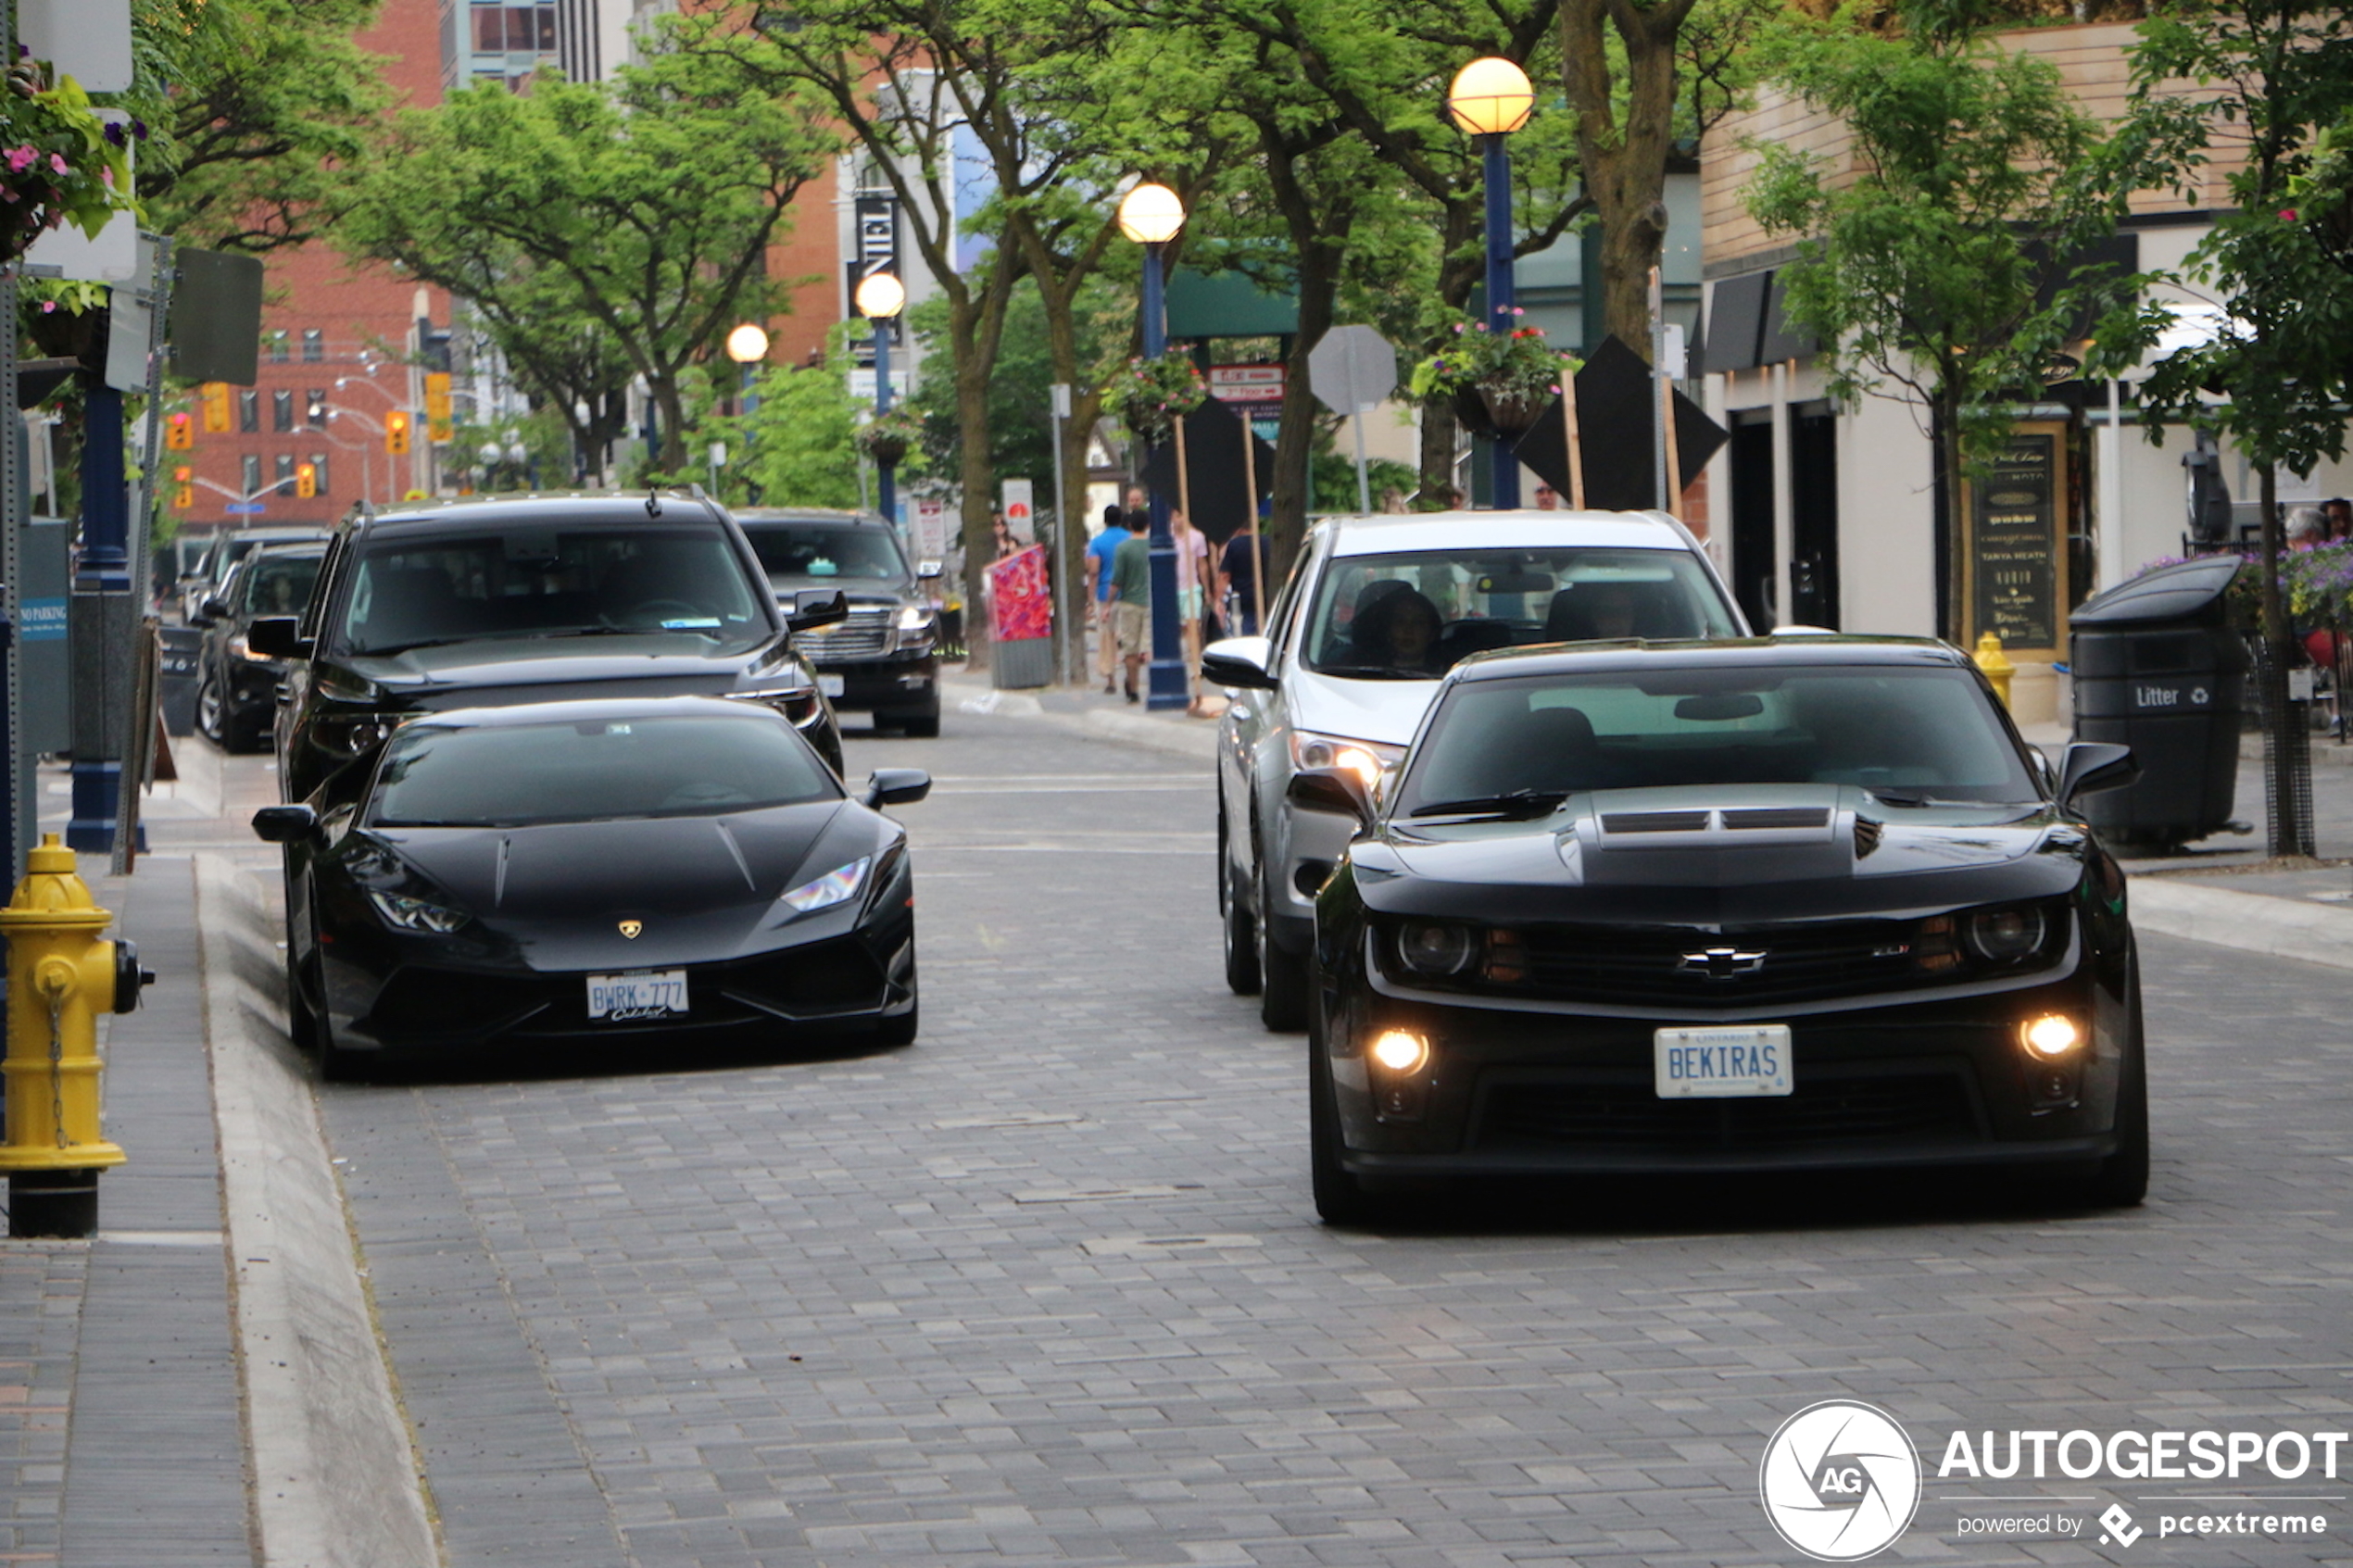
(438, 428)
(184, 493)
(180, 433)
(306, 480)
(214, 394)
(396, 432)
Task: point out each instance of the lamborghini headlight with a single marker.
(841, 882)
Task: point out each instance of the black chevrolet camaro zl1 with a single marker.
(554, 875)
(1804, 902)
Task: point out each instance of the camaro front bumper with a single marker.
(1559, 1090)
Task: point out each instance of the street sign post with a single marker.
(1350, 372)
(245, 508)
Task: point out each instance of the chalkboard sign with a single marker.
(2015, 539)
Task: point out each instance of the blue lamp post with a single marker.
(880, 297)
(1491, 99)
(1151, 215)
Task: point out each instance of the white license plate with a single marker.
(617, 998)
(829, 684)
(1735, 1063)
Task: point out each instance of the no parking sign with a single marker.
(1021, 508)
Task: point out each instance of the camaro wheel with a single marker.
(1234, 923)
(1340, 1200)
(2123, 1179)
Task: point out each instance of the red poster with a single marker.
(1019, 606)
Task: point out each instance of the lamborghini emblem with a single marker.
(632, 929)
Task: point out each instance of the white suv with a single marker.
(1375, 611)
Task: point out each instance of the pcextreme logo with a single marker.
(1839, 1480)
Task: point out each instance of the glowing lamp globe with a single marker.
(1151, 215)
(1490, 97)
(880, 297)
(747, 343)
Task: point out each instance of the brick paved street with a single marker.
(1047, 1286)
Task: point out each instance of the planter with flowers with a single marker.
(888, 438)
(1499, 383)
(1151, 396)
(59, 161)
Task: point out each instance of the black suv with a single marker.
(485, 602)
(882, 657)
(237, 688)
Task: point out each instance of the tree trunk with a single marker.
(1624, 164)
(672, 459)
(1439, 436)
(1070, 488)
(1953, 614)
(974, 475)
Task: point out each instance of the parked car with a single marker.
(489, 601)
(882, 657)
(552, 875)
(237, 688)
(1376, 610)
(1802, 902)
(209, 571)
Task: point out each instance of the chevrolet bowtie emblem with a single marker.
(632, 928)
(1721, 963)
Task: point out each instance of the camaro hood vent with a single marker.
(1727, 823)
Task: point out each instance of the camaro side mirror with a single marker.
(816, 606)
(284, 824)
(1332, 789)
(1238, 661)
(2090, 766)
(897, 786)
(277, 636)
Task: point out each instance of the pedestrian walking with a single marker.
(1100, 550)
(1238, 580)
(1131, 597)
(1193, 576)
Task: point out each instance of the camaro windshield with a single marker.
(672, 765)
(1912, 736)
(1412, 614)
(549, 579)
(826, 552)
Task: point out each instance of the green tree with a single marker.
(2274, 79)
(797, 441)
(1930, 268)
(647, 204)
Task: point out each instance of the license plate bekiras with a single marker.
(1741, 1061)
(638, 994)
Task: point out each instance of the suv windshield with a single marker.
(408, 592)
(1412, 615)
(594, 770)
(826, 552)
(279, 584)
(1911, 736)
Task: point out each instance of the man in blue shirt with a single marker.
(1099, 551)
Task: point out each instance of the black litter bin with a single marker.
(177, 671)
(2158, 667)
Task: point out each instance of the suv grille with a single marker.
(868, 633)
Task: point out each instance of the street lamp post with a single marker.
(1491, 99)
(1151, 215)
(748, 346)
(880, 297)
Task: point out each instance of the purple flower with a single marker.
(115, 133)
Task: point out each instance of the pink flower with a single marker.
(2287, 215)
(20, 159)
(1517, 311)
(57, 162)
(48, 308)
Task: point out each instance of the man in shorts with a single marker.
(1131, 598)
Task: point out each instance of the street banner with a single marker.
(931, 528)
(1020, 608)
(1021, 508)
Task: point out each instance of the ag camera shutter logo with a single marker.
(1839, 1480)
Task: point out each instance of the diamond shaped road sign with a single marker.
(1351, 369)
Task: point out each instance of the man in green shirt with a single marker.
(1131, 595)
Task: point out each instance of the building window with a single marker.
(278, 349)
(282, 411)
(515, 28)
(252, 476)
(249, 412)
(319, 471)
(314, 345)
(285, 473)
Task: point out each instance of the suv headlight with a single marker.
(405, 913)
(915, 624)
(841, 882)
(1368, 759)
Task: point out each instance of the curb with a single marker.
(2252, 923)
(334, 1477)
(1188, 737)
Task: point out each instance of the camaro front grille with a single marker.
(866, 634)
(1624, 1114)
(1678, 966)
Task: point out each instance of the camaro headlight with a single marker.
(1366, 758)
(2005, 936)
(415, 914)
(1436, 947)
(841, 882)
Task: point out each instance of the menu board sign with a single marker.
(2015, 543)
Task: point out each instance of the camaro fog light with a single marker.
(1434, 947)
(2053, 1034)
(1399, 1052)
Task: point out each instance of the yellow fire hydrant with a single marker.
(1995, 664)
(59, 975)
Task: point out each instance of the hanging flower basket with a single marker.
(59, 162)
(1514, 413)
(1500, 383)
(888, 438)
(1151, 396)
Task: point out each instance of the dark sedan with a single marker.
(1790, 903)
(553, 875)
(237, 687)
